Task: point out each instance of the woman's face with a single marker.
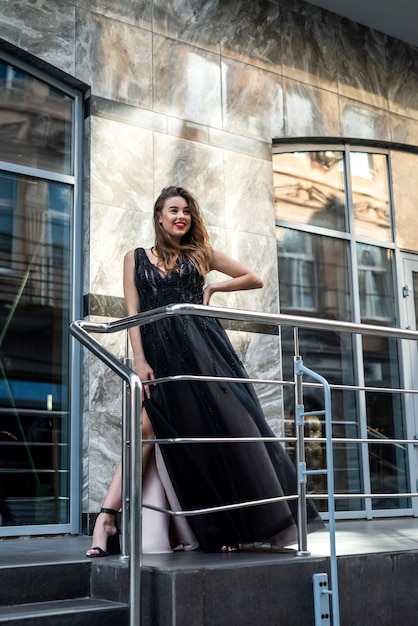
(175, 217)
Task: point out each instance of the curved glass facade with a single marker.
(337, 258)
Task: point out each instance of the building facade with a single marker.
(297, 131)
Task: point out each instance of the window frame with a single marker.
(347, 147)
(75, 180)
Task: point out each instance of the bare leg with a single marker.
(105, 523)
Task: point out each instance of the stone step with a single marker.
(73, 612)
(25, 584)
(245, 588)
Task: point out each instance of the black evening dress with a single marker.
(205, 475)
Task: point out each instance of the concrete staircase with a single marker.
(49, 582)
(56, 594)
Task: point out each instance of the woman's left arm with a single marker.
(242, 277)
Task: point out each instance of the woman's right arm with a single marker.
(142, 367)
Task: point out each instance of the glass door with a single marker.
(410, 297)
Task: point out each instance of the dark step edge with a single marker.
(44, 582)
(57, 607)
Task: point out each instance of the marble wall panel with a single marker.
(86, 205)
(194, 23)
(187, 82)
(114, 231)
(363, 122)
(105, 387)
(43, 28)
(402, 78)
(249, 203)
(121, 165)
(115, 59)
(187, 130)
(85, 463)
(136, 12)
(404, 129)
(238, 143)
(248, 31)
(103, 406)
(85, 429)
(362, 64)
(259, 252)
(197, 167)
(104, 455)
(309, 45)
(268, 270)
(404, 170)
(251, 32)
(252, 101)
(310, 111)
(217, 237)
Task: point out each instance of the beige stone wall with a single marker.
(193, 93)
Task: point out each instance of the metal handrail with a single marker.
(81, 330)
(133, 457)
(275, 319)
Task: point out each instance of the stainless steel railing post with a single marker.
(126, 442)
(300, 461)
(135, 501)
(329, 471)
(126, 460)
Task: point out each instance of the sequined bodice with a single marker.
(184, 284)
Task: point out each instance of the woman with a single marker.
(202, 475)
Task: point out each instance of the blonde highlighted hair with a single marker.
(194, 244)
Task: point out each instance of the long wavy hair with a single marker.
(194, 244)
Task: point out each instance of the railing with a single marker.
(132, 431)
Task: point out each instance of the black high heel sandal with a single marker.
(113, 544)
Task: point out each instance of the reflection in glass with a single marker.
(35, 122)
(309, 188)
(385, 420)
(314, 281)
(388, 463)
(415, 295)
(377, 298)
(313, 274)
(34, 299)
(369, 181)
(322, 289)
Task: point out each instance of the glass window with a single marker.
(34, 297)
(36, 215)
(369, 182)
(313, 274)
(297, 271)
(320, 222)
(309, 188)
(7, 201)
(385, 420)
(377, 297)
(315, 281)
(35, 122)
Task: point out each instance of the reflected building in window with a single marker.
(336, 261)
